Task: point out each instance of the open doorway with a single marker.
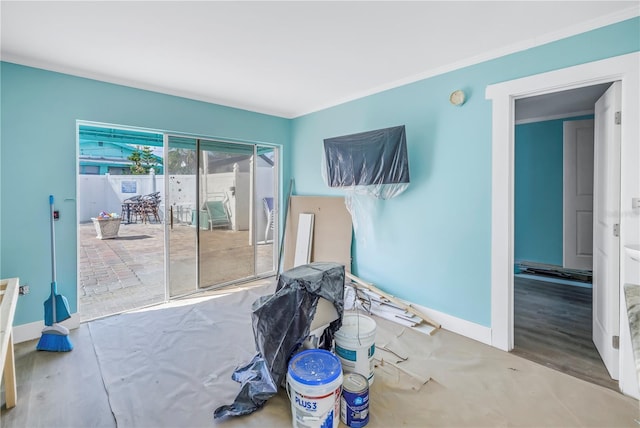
(163, 216)
(616, 342)
(553, 236)
(120, 219)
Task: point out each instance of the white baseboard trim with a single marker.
(31, 331)
(458, 325)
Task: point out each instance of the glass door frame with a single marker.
(253, 215)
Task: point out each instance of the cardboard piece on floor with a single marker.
(332, 230)
(304, 239)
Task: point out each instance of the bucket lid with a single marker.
(315, 367)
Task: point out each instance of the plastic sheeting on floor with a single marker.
(281, 323)
(172, 367)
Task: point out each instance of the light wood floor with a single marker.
(552, 326)
(59, 389)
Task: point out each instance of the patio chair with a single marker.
(148, 207)
(131, 209)
(218, 211)
(267, 203)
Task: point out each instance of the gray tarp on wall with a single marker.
(376, 159)
(368, 166)
(281, 322)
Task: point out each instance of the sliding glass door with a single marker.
(265, 208)
(181, 174)
(226, 250)
(222, 198)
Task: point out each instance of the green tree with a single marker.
(143, 160)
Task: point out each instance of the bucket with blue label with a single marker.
(314, 384)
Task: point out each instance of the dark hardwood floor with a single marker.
(552, 326)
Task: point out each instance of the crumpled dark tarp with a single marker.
(281, 322)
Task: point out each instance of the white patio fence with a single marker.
(98, 193)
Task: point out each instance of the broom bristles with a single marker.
(54, 343)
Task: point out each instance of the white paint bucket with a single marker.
(355, 345)
(314, 385)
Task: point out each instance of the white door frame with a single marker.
(624, 68)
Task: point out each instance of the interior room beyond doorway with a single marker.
(553, 298)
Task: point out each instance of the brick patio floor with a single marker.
(127, 272)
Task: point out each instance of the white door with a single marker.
(578, 194)
(606, 214)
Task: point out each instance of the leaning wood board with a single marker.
(332, 230)
(8, 300)
(304, 240)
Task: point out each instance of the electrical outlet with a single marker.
(635, 203)
(56, 215)
(24, 289)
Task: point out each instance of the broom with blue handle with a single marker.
(55, 337)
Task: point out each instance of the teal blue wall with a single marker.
(39, 113)
(432, 244)
(538, 191)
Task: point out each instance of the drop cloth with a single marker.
(172, 367)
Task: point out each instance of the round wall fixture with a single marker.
(457, 98)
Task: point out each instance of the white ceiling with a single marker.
(282, 58)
